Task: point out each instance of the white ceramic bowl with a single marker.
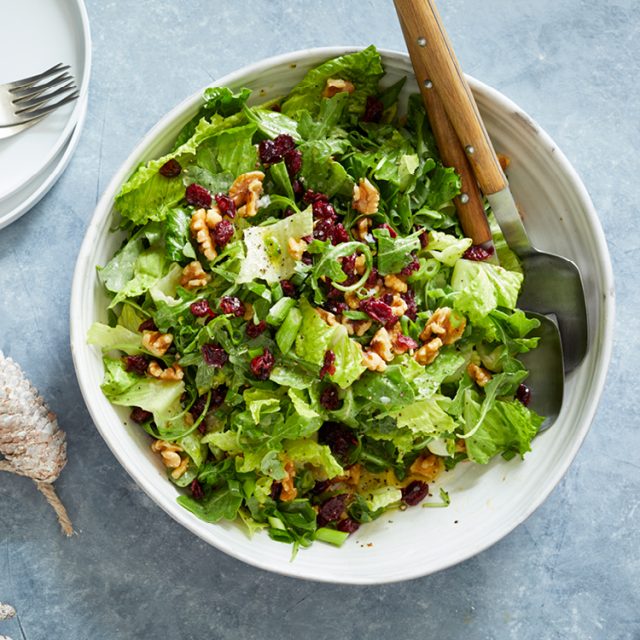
(486, 502)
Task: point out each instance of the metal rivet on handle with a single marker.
(469, 149)
(464, 198)
(422, 41)
(427, 84)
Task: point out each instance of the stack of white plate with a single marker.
(35, 35)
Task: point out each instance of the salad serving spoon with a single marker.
(553, 284)
(545, 363)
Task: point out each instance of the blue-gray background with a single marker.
(572, 570)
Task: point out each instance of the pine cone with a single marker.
(30, 440)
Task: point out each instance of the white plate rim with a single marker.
(74, 116)
(174, 510)
(37, 190)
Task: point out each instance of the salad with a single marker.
(297, 319)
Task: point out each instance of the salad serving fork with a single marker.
(25, 102)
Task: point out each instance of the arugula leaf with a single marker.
(223, 503)
(395, 253)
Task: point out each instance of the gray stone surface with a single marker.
(572, 570)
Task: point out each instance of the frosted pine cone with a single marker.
(30, 440)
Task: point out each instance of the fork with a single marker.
(25, 102)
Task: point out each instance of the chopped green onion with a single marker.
(332, 536)
(286, 335)
(279, 311)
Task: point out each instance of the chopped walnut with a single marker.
(194, 276)
(174, 372)
(347, 324)
(337, 85)
(394, 283)
(360, 327)
(352, 299)
(202, 232)
(366, 197)
(362, 229)
(398, 306)
(213, 217)
(289, 492)
(479, 374)
(445, 323)
(156, 343)
(428, 467)
(245, 193)
(180, 469)
(351, 475)
(427, 353)
(381, 344)
(296, 248)
(168, 452)
(248, 311)
(327, 316)
(361, 264)
(372, 361)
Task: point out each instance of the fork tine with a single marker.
(34, 90)
(43, 111)
(24, 82)
(44, 98)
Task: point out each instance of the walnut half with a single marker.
(366, 197)
(245, 193)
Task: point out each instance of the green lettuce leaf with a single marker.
(109, 338)
(447, 248)
(363, 68)
(266, 248)
(309, 451)
(482, 287)
(426, 416)
(223, 503)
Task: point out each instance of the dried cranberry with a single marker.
(218, 396)
(170, 169)
(323, 210)
(339, 438)
(336, 306)
(389, 228)
(214, 355)
(373, 110)
(306, 258)
(348, 525)
(261, 366)
(136, 364)
(477, 252)
(226, 205)
(414, 265)
(387, 298)
(424, 239)
(223, 232)
(201, 309)
(254, 330)
(198, 407)
(377, 309)
(140, 415)
(197, 196)
(148, 325)
(310, 196)
(196, 490)
(373, 278)
(288, 288)
(320, 487)
(328, 366)
(414, 492)
(323, 230)
(298, 189)
(232, 305)
(412, 307)
(339, 234)
(523, 394)
(271, 151)
(331, 510)
(404, 343)
(276, 490)
(293, 162)
(329, 398)
(349, 264)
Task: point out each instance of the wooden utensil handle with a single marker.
(424, 32)
(469, 204)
